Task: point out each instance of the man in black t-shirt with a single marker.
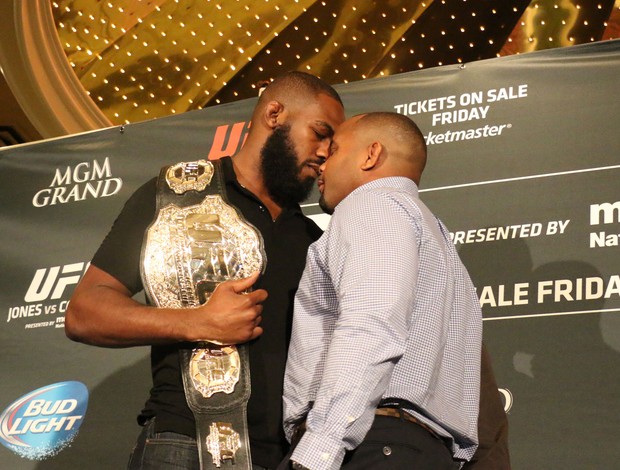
(291, 130)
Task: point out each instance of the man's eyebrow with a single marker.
(327, 126)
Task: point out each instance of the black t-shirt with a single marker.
(286, 242)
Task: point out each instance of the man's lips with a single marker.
(321, 184)
(315, 166)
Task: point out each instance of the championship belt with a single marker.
(197, 241)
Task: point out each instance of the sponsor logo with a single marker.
(606, 213)
(228, 139)
(468, 134)
(42, 423)
(50, 283)
(47, 285)
(78, 183)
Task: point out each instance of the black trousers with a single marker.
(396, 444)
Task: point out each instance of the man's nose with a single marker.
(323, 149)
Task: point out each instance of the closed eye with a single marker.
(322, 130)
(320, 135)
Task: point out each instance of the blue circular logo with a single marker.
(45, 421)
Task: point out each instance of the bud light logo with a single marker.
(45, 421)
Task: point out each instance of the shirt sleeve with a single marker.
(120, 251)
(372, 257)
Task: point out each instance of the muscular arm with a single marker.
(101, 312)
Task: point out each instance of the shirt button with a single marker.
(262, 209)
(387, 450)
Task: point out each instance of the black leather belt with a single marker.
(396, 407)
(221, 420)
(402, 414)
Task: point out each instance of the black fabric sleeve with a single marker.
(119, 253)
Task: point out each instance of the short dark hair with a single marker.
(402, 131)
(400, 125)
(295, 82)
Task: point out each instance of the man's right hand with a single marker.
(102, 312)
(231, 315)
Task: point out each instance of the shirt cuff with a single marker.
(319, 452)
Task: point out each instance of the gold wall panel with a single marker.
(145, 59)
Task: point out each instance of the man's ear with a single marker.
(373, 156)
(274, 114)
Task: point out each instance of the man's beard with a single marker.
(281, 170)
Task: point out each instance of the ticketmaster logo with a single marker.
(45, 421)
(447, 137)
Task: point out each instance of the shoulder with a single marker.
(361, 215)
(148, 188)
(378, 215)
(369, 204)
(144, 195)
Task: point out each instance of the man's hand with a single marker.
(231, 316)
(102, 312)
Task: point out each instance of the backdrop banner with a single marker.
(524, 169)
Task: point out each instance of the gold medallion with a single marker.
(186, 176)
(222, 442)
(215, 369)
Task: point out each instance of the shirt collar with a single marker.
(392, 182)
(228, 170)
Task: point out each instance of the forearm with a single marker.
(102, 316)
(103, 313)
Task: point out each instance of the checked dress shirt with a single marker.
(385, 308)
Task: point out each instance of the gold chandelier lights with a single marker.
(145, 59)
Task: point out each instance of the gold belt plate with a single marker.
(215, 369)
(222, 442)
(190, 250)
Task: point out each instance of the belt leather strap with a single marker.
(216, 378)
(220, 415)
(402, 414)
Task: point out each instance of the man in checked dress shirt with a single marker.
(384, 363)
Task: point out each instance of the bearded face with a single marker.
(282, 169)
